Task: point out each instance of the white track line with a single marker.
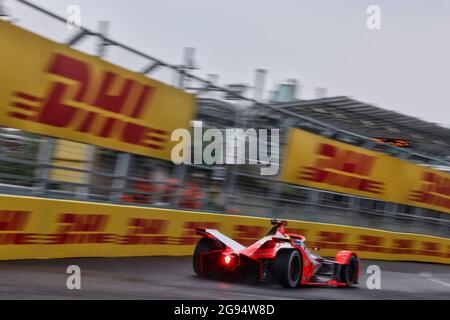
(440, 282)
(429, 276)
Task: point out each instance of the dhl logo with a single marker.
(154, 231)
(303, 232)
(189, 236)
(402, 246)
(428, 248)
(379, 244)
(435, 190)
(343, 168)
(331, 240)
(146, 231)
(89, 228)
(11, 223)
(246, 234)
(370, 243)
(113, 111)
(81, 228)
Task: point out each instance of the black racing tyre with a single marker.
(204, 245)
(349, 272)
(288, 267)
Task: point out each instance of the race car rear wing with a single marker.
(215, 234)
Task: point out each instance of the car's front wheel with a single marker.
(349, 272)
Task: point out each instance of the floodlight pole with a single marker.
(260, 80)
(2, 10)
(44, 161)
(103, 27)
(180, 171)
(92, 150)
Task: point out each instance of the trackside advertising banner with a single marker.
(322, 163)
(51, 89)
(43, 228)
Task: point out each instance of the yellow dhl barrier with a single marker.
(322, 163)
(44, 228)
(54, 90)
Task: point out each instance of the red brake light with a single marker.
(227, 259)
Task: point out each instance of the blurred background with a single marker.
(32, 164)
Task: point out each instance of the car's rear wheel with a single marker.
(288, 268)
(349, 272)
(204, 245)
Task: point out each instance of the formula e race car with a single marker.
(279, 256)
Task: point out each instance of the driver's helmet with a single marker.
(282, 235)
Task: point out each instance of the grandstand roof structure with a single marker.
(217, 113)
(372, 121)
(356, 121)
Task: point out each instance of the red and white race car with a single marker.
(278, 256)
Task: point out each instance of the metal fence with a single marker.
(31, 164)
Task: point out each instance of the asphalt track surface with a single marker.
(173, 278)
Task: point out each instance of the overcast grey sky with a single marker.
(403, 67)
